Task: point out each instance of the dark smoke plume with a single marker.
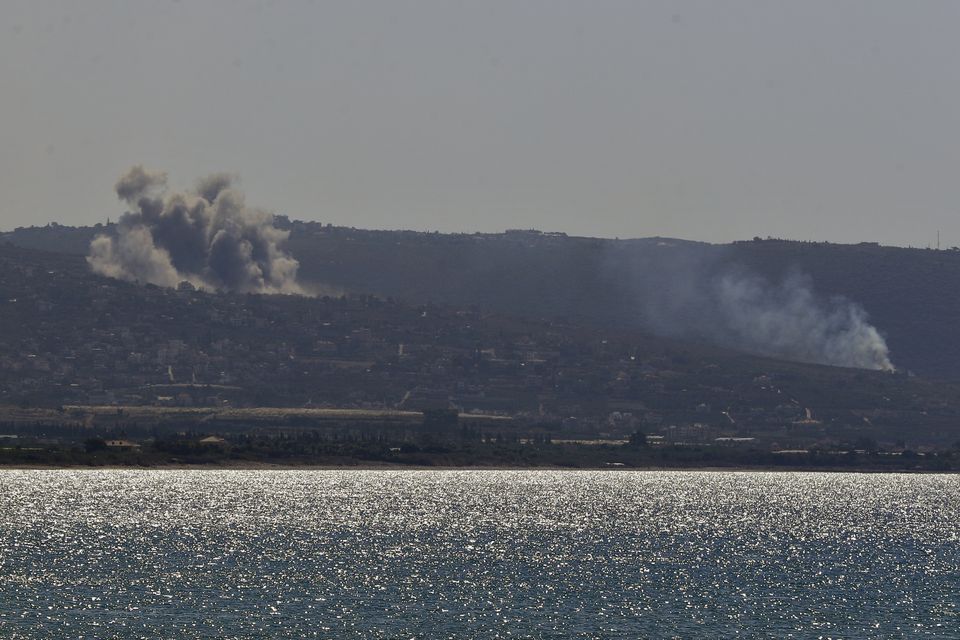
(693, 291)
(207, 237)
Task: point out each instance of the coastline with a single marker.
(256, 466)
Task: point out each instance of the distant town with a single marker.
(97, 369)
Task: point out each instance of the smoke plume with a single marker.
(693, 291)
(207, 237)
(788, 320)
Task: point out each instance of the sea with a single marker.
(477, 554)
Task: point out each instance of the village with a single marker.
(78, 345)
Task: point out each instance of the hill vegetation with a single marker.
(85, 357)
(909, 295)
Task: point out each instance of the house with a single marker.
(121, 444)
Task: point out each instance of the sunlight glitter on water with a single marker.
(482, 554)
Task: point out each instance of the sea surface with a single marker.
(478, 554)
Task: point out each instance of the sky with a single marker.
(715, 121)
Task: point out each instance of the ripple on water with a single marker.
(484, 554)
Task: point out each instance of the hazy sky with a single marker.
(706, 120)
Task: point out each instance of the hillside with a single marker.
(68, 337)
(658, 285)
(908, 294)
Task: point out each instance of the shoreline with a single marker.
(372, 467)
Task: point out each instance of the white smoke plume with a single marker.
(787, 320)
(693, 291)
(207, 237)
